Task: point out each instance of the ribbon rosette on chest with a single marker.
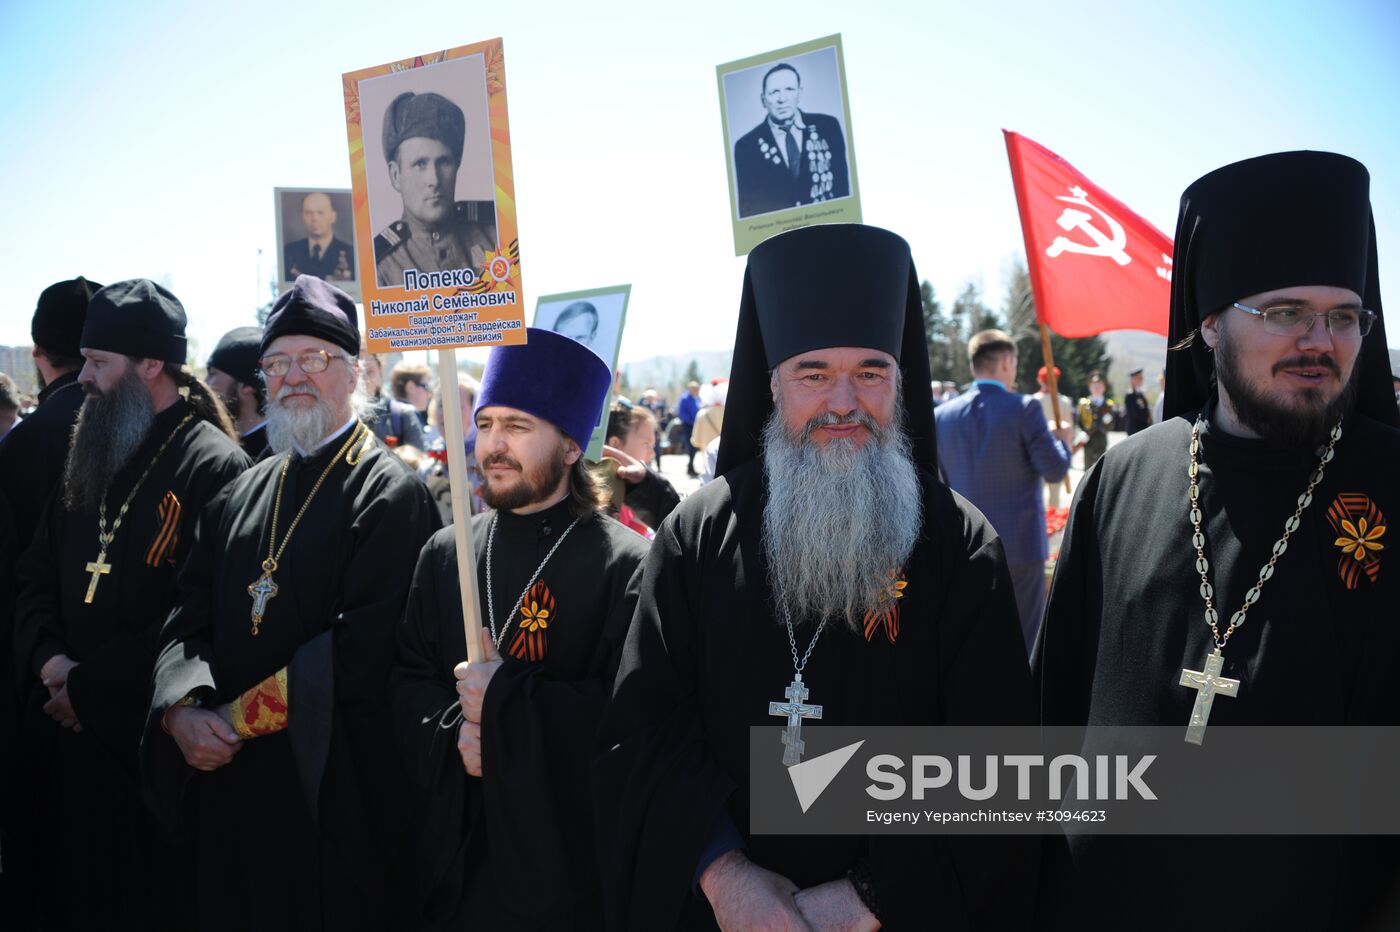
(886, 614)
(536, 615)
(1359, 526)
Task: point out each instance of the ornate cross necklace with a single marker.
(490, 586)
(264, 589)
(796, 708)
(1208, 683)
(100, 567)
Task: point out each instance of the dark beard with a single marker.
(533, 487)
(109, 431)
(1303, 428)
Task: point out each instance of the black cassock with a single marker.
(303, 829)
(514, 848)
(95, 833)
(1321, 646)
(705, 656)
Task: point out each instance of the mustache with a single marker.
(499, 459)
(831, 419)
(306, 388)
(1322, 361)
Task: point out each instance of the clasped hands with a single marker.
(206, 737)
(54, 676)
(472, 680)
(746, 896)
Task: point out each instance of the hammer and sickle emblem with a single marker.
(1110, 246)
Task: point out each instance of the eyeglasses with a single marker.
(279, 364)
(1286, 320)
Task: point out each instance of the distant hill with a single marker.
(666, 374)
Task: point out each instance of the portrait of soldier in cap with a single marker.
(424, 135)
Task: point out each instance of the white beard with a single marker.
(298, 429)
(838, 518)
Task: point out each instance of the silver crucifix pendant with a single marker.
(1206, 683)
(794, 710)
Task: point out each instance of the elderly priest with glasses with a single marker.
(271, 693)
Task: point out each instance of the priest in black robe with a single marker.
(499, 751)
(95, 586)
(233, 373)
(826, 524)
(31, 464)
(1277, 296)
(270, 698)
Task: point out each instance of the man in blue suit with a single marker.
(996, 449)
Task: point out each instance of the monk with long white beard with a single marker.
(826, 557)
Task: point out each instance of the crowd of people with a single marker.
(240, 695)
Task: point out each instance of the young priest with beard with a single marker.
(95, 587)
(270, 694)
(1280, 405)
(827, 548)
(499, 751)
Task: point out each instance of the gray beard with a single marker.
(298, 429)
(109, 431)
(838, 519)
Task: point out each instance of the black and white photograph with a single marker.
(428, 166)
(316, 235)
(592, 318)
(787, 133)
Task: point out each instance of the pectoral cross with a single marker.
(794, 710)
(98, 568)
(262, 591)
(1206, 684)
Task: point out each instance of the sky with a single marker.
(145, 138)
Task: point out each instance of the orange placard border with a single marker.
(501, 281)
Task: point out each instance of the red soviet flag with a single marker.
(1094, 264)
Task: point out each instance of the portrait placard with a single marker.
(787, 141)
(316, 236)
(593, 318)
(434, 201)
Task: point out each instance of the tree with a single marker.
(1075, 358)
(942, 343)
(692, 373)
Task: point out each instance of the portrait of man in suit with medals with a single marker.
(787, 138)
(317, 234)
(791, 158)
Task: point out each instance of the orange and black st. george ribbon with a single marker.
(162, 549)
(531, 640)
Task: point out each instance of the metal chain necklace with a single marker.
(100, 567)
(490, 585)
(264, 589)
(796, 708)
(1209, 682)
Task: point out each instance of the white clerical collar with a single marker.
(254, 429)
(333, 435)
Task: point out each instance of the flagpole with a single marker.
(460, 485)
(1033, 273)
(1051, 382)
